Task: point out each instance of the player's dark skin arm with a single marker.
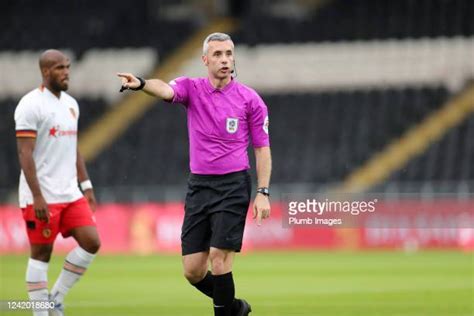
(261, 208)
(26, 147)
(82, 175)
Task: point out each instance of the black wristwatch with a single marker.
(263, 190)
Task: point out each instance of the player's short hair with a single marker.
(221, 37)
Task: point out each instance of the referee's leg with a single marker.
(224, 289)
(195, 268)
(218, 284)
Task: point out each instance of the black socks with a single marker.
(223, 294)
(206, 286)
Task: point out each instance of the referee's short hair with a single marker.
(221, 37)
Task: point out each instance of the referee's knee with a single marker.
(194, 275)
(218, 267)
(220, 262)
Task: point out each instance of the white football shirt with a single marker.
(53, 122)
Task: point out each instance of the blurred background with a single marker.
(363, 95)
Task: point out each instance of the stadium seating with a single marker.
(450, 159)
(98, 36)
(348, 65)
(357, 20)
(330, 111)
(9, 170)
(82, 25)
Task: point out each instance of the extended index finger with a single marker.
(124, 75)
(259, 217)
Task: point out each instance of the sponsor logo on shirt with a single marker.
(266, 122)
(56, 131)
(232, 125)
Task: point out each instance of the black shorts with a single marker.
(215, 210)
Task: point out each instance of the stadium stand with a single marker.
(82, 25)
(450, 160)
(342, 80)
(92, 34)
(309, 67)
(357, 20)
(9, 169)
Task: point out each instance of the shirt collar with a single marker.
(211, 88)
(43, 89)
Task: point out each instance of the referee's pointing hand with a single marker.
(128, 80)
(261, 208)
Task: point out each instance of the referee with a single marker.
(223, 115)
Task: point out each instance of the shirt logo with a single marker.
(56, 131)
(232, 125)
(53, 131)
(266, 122)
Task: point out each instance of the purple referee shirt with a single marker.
(220, 122)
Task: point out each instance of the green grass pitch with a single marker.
(283, 283)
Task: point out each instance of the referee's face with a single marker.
(220, 59)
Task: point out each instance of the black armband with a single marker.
(142, 84)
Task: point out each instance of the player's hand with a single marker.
(128, 81)
(261, 208)
(90, 197)
(41, 209)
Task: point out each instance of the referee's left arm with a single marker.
(261, 207)
(263, 159)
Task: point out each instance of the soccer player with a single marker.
(222, 116)
(51, 169)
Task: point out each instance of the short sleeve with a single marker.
(259, 123)
(77, 108)
(180, 87)
(26, 119)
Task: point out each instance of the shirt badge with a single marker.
(46, 232)
(232, 125)
(266, 122)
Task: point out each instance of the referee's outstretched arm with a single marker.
(153, 87)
